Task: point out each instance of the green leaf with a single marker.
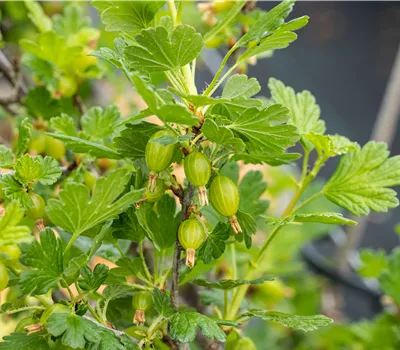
(79, 145)
(30, 170)
(52, 48)
(23, 341)
(267, 23)
(47, 258)
(127, 16)
(75, 331)
(167, 111)
(302, 323)
(171, 140)
(92, 280)
(133, 140)
(110, 56)
(157, 50)
(43, 70)
(14, 190)
(227, 284)
(6, 157)
(100, 123)
(240, 86)
(249, 227)
(282, 159)
(324, 218)
(373, 262)
(265, 131)
(37, 16)
(251, 188)
(183, 327)
(390, 278)
(116, 291)
(215, 244)
(162, 303)
(360, 181)
(76, 212)
(70, 22)
(72, 270)
(222, 136)
(24, 135)
(128, 267)
(163, 222)
(64, 125)
(303, 109)
(10, 231)
(41, 104)
(127, 227)
(329, 146)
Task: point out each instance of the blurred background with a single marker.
(345, 57)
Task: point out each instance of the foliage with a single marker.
(90, 168)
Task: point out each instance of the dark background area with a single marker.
(344, 57)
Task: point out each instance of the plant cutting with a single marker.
(115, 186)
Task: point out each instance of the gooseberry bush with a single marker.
(83, 184)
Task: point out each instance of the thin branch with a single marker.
(187, 199)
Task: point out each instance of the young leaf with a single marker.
(75, 330)
(303, 323)
(116, 291)
(37, 16)
(52, 48)
(64, 125)
(215, 244)
(100, 123)
(14, 190)
(76, 212)
(40, 104)
(47, 258)
(267, 23)
(79, 145)
(324, 218)
(303, 109)
(21, 341)
(157, 50)
(390, 278)
(329, 146)
(10, 231)
(6, 157)
(264, 131)
(276, 41)
(227, 284)
(128, 267)
(183, 327)
(240, 86)
(24, 135)
(127, 16)
(222, 136)
(30, 170)
(162, 303)
(360, 181)
(373, 262)
(92, 280)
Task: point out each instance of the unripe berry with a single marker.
(198, 172)
(141, 301)
(224, 197)
(55, 148)
(37, 211)
(192, 235)
(158, 157)
(159, 191)
(245, 343)
(12, 251)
